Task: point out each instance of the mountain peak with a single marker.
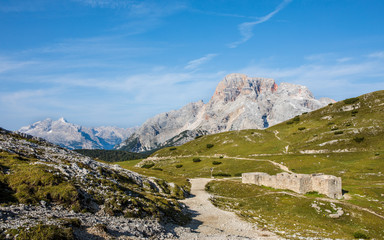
(236, 84)
(239, 102)
(63, 120)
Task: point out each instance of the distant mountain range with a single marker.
(239, 102)
(73, 136)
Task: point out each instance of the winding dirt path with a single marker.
(210, 222)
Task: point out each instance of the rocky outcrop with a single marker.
(239, 102)
(126, 203)
(73, 136)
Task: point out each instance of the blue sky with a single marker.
(115, 62)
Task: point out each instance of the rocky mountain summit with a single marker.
(239, 102)
(48, 188)
(73, 136)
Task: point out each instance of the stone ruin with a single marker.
(301, 183)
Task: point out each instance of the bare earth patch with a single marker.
(210, 222)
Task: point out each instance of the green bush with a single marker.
(209, 145)
(172, 149)
(339, 132)
(289, 122)
(148, 165)
(196, 160)
(221, 174)
(301, 128)
(358, 139)
(351, 100)
(296, 119)
(216, 163)
(179, 166)
(360, 235)
(158, 169)
(334, 128)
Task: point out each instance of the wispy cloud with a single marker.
(106, 3)
(344, 59)
(194, 64)
(376, 55)
(138, 8)
(246, 29)
(7, 64)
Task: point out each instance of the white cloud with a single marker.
(7, 64)
(247, 27)
(344, 59)
(194, 64)
(376, 55)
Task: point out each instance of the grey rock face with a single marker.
(73, 136)
(239, 102)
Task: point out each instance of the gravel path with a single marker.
(210, 222)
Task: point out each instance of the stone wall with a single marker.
(301, 183)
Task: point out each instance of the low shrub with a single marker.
(289, 122)
(351, 100)
(221, 174)
(216, 163)
(196, 160)
(360, 235)
(339, 132)
(221, 157)
(179, 166)
(334, 128)
(209, 145)
(49, 232)
(301, 128)
(296, 119)
(148, 165)
(358, 139)
(237, 174)
(158, 169)
(172, 149)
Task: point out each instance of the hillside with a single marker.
(342, 139)
(48, 192)
(239, 102)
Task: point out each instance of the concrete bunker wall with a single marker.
(300, 183)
